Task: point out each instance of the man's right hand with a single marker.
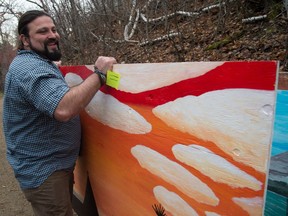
(104, 63)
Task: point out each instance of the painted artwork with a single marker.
(277, 192)
(189, 138)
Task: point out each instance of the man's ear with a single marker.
(24, 39)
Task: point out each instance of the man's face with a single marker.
(43, 38)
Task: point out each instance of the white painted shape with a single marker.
(215, 167)
(233, 119)
(111, 112)
(211, 214)
(251, 205)
(172, 202)
(174, 174)
(136, 78)
(73, 79)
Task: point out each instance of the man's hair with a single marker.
(25, 19)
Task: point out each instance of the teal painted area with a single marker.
(280, 138)
(276, 205)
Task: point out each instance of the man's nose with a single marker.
(52, 34)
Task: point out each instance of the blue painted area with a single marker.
(280, 137)
(276, 205)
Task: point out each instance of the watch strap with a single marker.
(101, 75)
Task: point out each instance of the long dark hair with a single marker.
(25, 19)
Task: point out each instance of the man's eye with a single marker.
(42, 31)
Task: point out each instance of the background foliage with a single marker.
(158, 30)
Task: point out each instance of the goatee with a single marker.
(54, 55)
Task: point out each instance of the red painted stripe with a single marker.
(252, 75)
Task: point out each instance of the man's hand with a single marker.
(104, 63)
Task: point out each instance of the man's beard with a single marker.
(54, 55)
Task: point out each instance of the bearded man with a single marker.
(41, 115)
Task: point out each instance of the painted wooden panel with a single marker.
(277, 193)
(178, 138)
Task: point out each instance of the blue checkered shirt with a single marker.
(37, 144)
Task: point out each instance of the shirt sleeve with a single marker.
(44, 88)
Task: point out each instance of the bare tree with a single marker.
(89, 28)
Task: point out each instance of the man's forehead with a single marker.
(41, 22)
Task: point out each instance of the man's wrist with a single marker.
(101, 75)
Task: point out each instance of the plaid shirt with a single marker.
(37, 144)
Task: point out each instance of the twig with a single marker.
(254, 19)
(172, 34)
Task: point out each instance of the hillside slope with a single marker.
(217, 34)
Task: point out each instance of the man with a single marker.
(40, 116)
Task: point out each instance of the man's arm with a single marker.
(79, 96)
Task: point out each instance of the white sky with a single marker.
(17, 5)
(22, 4)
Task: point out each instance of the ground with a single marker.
(12, 201)
(213, 36)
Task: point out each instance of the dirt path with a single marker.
(12, 201)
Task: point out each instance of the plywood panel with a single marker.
(283, 81)
(191, 138)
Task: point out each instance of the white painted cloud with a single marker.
(239, 121)
(215, 167)
(174, 174)
(111, 112)
(173, 203)
(251, 205)
(137, 78)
